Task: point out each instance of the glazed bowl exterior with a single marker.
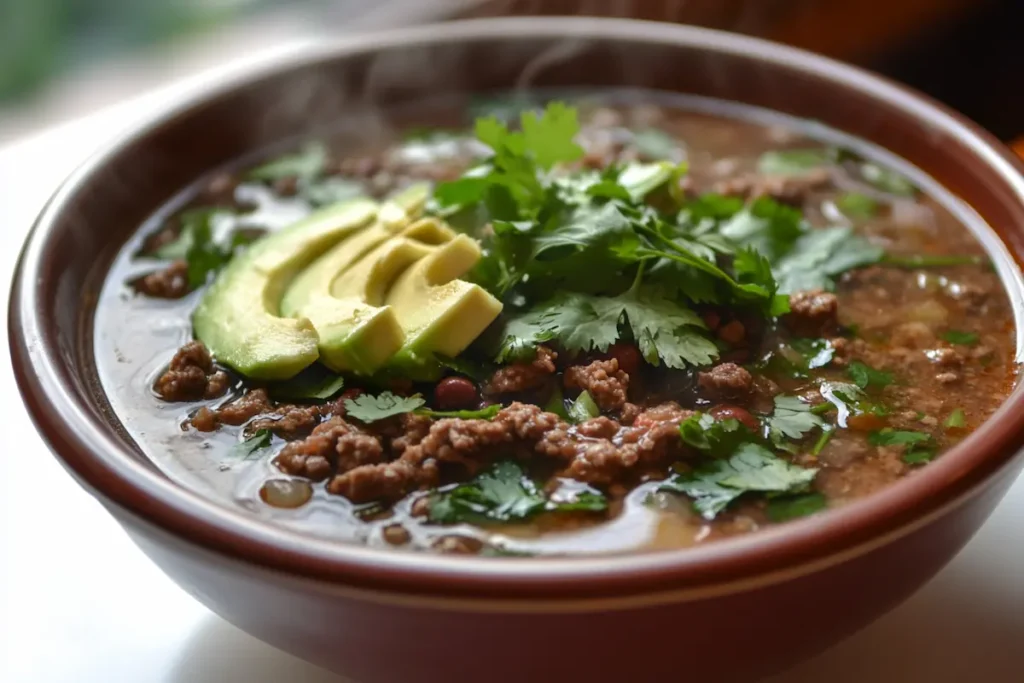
(732, 610)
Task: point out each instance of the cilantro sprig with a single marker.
(505, 494)
(204, 251)
(751, 468)
(368, 408)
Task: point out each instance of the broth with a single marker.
(911, 353)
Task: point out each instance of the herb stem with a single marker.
(826, 434)
(639, 277)
(932, 260)
(822, 408)
(689, 258)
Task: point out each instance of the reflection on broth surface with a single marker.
(700, 321)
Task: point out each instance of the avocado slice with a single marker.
(239, 317)
(440, 314)
(393, 216)
(343, 294)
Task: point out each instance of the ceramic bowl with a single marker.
(731, 610)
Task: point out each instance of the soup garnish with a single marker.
(653, 330)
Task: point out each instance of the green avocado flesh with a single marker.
(343, 294)
(238, 318)
(359, 286)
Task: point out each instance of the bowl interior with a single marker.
(106, 201)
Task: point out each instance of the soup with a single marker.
(614, 325)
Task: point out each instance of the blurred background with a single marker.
(62, 59)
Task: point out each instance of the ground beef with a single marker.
(812, 313)
(630, 411)
(603, 380)
(191, 376)
(334, 442)
(285, 420)
(600, 451)
(519, 377)
(384, 482)
(787, 189)
(289, 421)
(248, 406)
(169, 283)
(726, 380)
(604, 460)
(205, 420)
(413, 430)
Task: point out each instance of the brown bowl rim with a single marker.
(87, 447)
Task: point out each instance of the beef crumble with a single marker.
(727, 380)
(519, 377)
(169, 283)
(603, 380)
(191, 376)
(812, 314)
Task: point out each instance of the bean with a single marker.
(396, 534)
(628, 356)
(732, 332)
(731, 412)
(286, 493)
(455, 393)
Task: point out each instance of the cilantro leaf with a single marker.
(865, 376)
(204, 249)
(519, 159)
(791, 507)
(503, 493)
(482, 414)
(963, 338)
(550, 137)
(569, 318)
(956, 420)
(857, 205)
(312, 383)
(330, 190)
(919, 456)
(718, 438)
(767, 226)
(590, 229)
(820, 255)
(793, 161)
(814, 353)
(655, 144)
(894, 437)
(369, 408)
(639, 180)
(665, 331)
(196, 225)
(710, 206)
(583, 408)
(474, 369)
(887, 180)
(248, 448)
(751, 468)
(791, 419)
(307, 163)
(556, 404)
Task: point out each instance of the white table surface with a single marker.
(80, 604)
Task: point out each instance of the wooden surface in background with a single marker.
(851, 30)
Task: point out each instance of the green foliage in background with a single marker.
(41, 38)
